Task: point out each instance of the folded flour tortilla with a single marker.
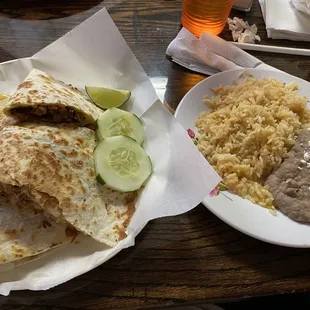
(52, 166)
(25, 232)
(5, 120)
(41, 97)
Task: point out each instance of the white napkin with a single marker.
(288, 23)
(209, 54)
(302, 5)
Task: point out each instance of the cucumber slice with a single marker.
(117, 122)
(121, 163)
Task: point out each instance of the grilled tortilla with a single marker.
(53, 167)
(5, 120)
(41, 97)
(25, 232)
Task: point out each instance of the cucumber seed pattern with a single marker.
(123, 161)
(120, 126)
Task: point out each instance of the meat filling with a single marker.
(55, 114)
(17, 195)
(20, 196)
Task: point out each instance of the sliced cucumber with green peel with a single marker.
(121, 163)
(117, 122)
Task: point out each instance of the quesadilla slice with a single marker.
(5, 120)
(53, 167)
(20, 262)
(26, 232)
(41, 97)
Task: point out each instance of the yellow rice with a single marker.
(249, 130)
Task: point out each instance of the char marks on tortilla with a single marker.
(41, 97)
(53, 167)
(25, 232)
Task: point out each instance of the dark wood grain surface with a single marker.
(186, 259)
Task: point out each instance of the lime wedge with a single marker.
(107, 98)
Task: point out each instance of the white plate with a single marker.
(239, 213)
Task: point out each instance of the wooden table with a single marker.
(190, 258)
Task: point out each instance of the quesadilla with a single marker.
(5, 120)
(41, 97)
(25, 232)
(52, 166)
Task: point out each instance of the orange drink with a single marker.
(205, 15)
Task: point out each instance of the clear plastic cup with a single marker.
(205, 15)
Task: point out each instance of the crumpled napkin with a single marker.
(241, 30)
(209, 54)
(302, 5)
(284, 21)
